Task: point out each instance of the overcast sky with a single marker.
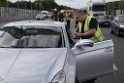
(71, 3)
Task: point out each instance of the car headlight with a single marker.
(122, 26)
(59, 77)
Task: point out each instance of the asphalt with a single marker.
(117, 76)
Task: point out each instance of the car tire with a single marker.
(76, 80)
(111, 30)
(118, 32)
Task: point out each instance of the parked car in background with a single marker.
(117, 25)
(104, 21)
(40, 52)
(40, 17)
(45, 13)
(111, 17)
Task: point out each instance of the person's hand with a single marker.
(78, 34)
(75, 35)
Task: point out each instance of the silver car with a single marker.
(40, 17)
(40, 52)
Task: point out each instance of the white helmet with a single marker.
(55, 9)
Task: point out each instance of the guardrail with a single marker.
(15, 12)
(8, 19)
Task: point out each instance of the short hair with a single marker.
(81, 12)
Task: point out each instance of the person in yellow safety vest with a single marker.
(88, 27)
(84, 9)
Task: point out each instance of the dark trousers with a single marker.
(68, 23)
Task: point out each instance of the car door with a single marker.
(94, 61)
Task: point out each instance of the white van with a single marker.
(45, 13)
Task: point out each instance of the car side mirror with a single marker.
(84, 42)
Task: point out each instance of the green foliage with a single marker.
(111, 7)
(2, 3)
(36, 5)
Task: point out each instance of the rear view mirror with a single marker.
(84, 42)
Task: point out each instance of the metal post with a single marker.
(36, 8)
(7, 7)
(113, 8)
(30, 8)
(41, 5)
(121, 6)
(36, 5)
(25, 9)
(17, 7)
(25, 5)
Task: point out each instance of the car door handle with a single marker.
(108, 49)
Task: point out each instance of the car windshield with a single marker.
(104, 17)
(98, 7)
(121, 19)
(31, 37)
(44, 13)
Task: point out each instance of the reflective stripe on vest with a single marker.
(98, 35)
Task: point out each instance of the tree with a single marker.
(36, 5)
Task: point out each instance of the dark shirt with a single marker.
(61, 17)
(92, 25)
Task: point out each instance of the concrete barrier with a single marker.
(8, 19)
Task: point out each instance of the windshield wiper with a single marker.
(17, 47)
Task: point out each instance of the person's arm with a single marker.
(91, 32)
(87, 34)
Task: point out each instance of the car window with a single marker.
(32, 37)
(104, 17)
(121, 19)
(44, 13)
(14, 31)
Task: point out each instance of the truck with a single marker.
(96, 8)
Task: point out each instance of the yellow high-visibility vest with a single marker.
(98, 37)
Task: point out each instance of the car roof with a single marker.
(35, 23)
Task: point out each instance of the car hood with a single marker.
(30, 65)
